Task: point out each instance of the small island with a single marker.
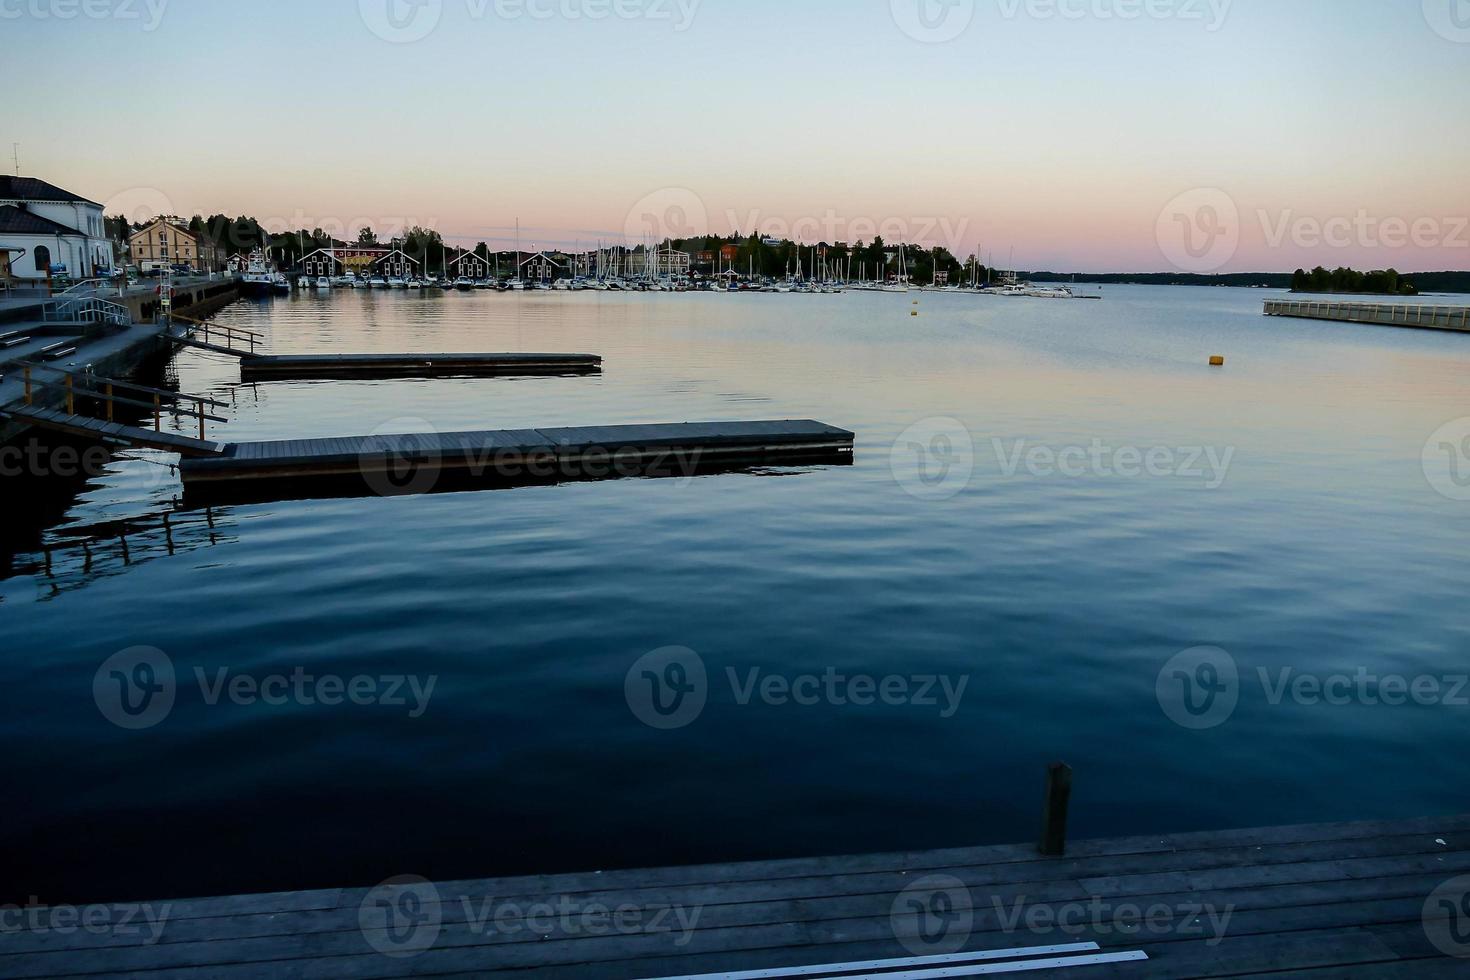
(1378, 283)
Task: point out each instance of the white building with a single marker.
(50, 231)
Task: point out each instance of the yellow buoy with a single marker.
(1217, 361)
(913, 313)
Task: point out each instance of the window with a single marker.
(43, 258)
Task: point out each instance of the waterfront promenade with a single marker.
(1381, 900)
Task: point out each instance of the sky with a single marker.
(1069, 135)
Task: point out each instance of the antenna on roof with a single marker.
(15, 152)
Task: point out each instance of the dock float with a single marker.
(1455, 318)
(520, 456)
(342, 366)
(1385, 899)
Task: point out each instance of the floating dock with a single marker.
(267, 366)
(530, 455)
(1370, 900)
(1456, 318)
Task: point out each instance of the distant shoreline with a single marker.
(1425, 282)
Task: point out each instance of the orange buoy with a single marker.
(1217, 361)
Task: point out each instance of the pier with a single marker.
(521, 455)
(347, 366)
(1456, 318)
(1378, 900)
(256, 366)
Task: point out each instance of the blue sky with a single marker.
(1061, 129)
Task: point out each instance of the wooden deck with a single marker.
(1310, 903)
(414, 365)
(1456, 318)
(520, 453)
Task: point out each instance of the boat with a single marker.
(322, 282)
(303, 282)
(377, 282)
(415, 284)
(516, 283)
(256, 280)
(464, 284)
(358, 283)
(397, 282)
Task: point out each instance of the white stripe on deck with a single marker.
(937, 967)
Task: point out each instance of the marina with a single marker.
(746, 491)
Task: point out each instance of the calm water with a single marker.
(1057, 598)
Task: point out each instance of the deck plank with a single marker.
(1306, 899)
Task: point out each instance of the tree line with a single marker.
(1382, 282)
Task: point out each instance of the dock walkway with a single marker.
(267, 366)
(1376, 900)
(1456, 318)
(514, 453)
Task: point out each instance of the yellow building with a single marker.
(164, 241)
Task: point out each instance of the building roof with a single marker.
(35, 189)
(18, 221)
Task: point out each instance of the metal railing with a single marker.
(85, 307)
(88, 385)
(223, 335)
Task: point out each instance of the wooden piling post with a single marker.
(1054, 816)
(201, 421)
(71, 401)
(157, 412)
(109, 402)
(28, 386)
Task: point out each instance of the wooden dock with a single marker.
(1456, 318)
(263, 367)
(1375, 900)
(532, 455)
